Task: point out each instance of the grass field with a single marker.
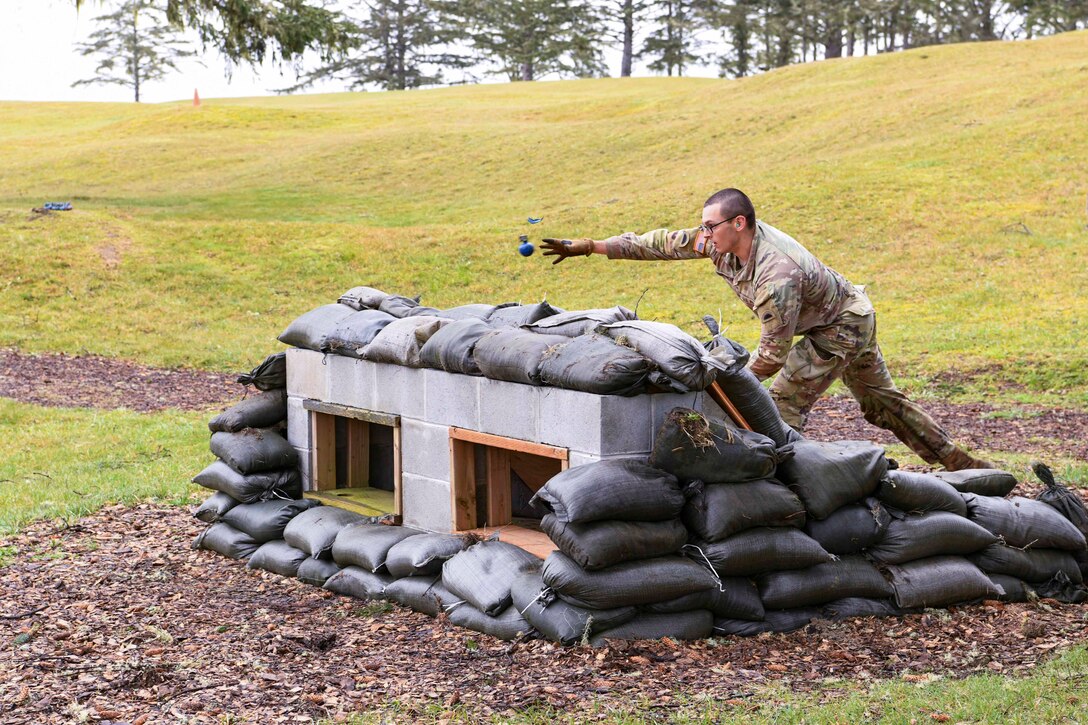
(200, 232)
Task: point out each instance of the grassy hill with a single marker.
(200, 232)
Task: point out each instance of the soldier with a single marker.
(791, 293)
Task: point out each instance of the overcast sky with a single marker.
(39, 61)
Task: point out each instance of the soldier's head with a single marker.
(729, 220)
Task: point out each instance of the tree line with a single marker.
(402, 44)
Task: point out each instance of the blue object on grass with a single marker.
(526, 249)
(57, 205)
(536, 220)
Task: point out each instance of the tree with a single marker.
(400, 44)
(251, 30)
(532, 38)
(672, 44)
(137, 46)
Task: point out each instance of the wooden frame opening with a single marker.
(356, 459)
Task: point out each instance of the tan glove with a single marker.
(563, 248)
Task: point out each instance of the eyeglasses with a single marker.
(708, 228)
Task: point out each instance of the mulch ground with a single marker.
(115, 618)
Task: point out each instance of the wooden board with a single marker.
(510, 444)
(536, 543)
(366, 501)
(345, 411)
(358, 453)
(499, 507)
(535, 471)
(462, 484)
(323, 466)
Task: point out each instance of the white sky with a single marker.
(39, 61)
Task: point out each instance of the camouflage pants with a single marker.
(849, 350)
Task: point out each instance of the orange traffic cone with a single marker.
(196, 98)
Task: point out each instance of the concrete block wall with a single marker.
(429, 402)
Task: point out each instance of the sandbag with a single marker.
(310, 329)
(918, 493)
(269, 375)
(760, 550)
(424, 554)
(631, 583)
(849, 607)
(254, 450)
(506, 625)
(214, 507)
(361, 298)
(278, 557)
(829, 475)
(717, 511)
(1033, 565)
(594, 363)
(1014, 589)
(451, 348)
(743, 388)
(981, 481)
(601, 544)
(691, 446)
(1063, 499)
(850, 576)
(1061, 588)
(226, 540)
(931, 534)
(400, 341)
(469, 312)
(244, 488)
(518, 315)
(415, 593)
(265, 520)
(316, 572)
(557, 620)
(424, 310)
(398, 305)
(482, 574)
(314, 531)
(367, 545)
(513, 355)
(939, 581)
(1023, 522)
(698, 624)
(257, 411)
(618, 490)
(354, 581)
(852, 528)
(734, 597)
(782, 620)
(580, 322)
(675, 353)
(356, 331)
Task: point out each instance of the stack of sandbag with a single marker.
(618, 572)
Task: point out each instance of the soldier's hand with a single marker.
(563, 248)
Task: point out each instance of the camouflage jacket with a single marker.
(789, 290)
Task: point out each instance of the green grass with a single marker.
(907, 172)
(66, 463)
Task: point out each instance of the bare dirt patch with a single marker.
(115, 618)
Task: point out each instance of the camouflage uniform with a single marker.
(793, 293)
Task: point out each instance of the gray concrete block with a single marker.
(398, 390)
(509, 409)
(298, 423)
(307, 375)
(569, 419)
(426, 504)
(452, 399)
(305, 467)
(580, 458)
(425, 449)
(351, 382)
(625, 425)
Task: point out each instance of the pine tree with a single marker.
(137, 46)
(672, 44)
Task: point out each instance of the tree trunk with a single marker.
(628, 38)
(527, 70)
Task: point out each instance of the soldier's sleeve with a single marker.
(778, 306)
(657, 244)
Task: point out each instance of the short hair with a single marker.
(733, 203)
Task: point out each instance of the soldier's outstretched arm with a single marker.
(659, 244)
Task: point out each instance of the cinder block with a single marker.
(351, 382)
(305, 467)
(625, 425)
(452, 399)
(307, 374)
(425, 449)
(398, 390)
(580, 458)
(509, 409)
(426, 503)
(569, 419)
(298, 423)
